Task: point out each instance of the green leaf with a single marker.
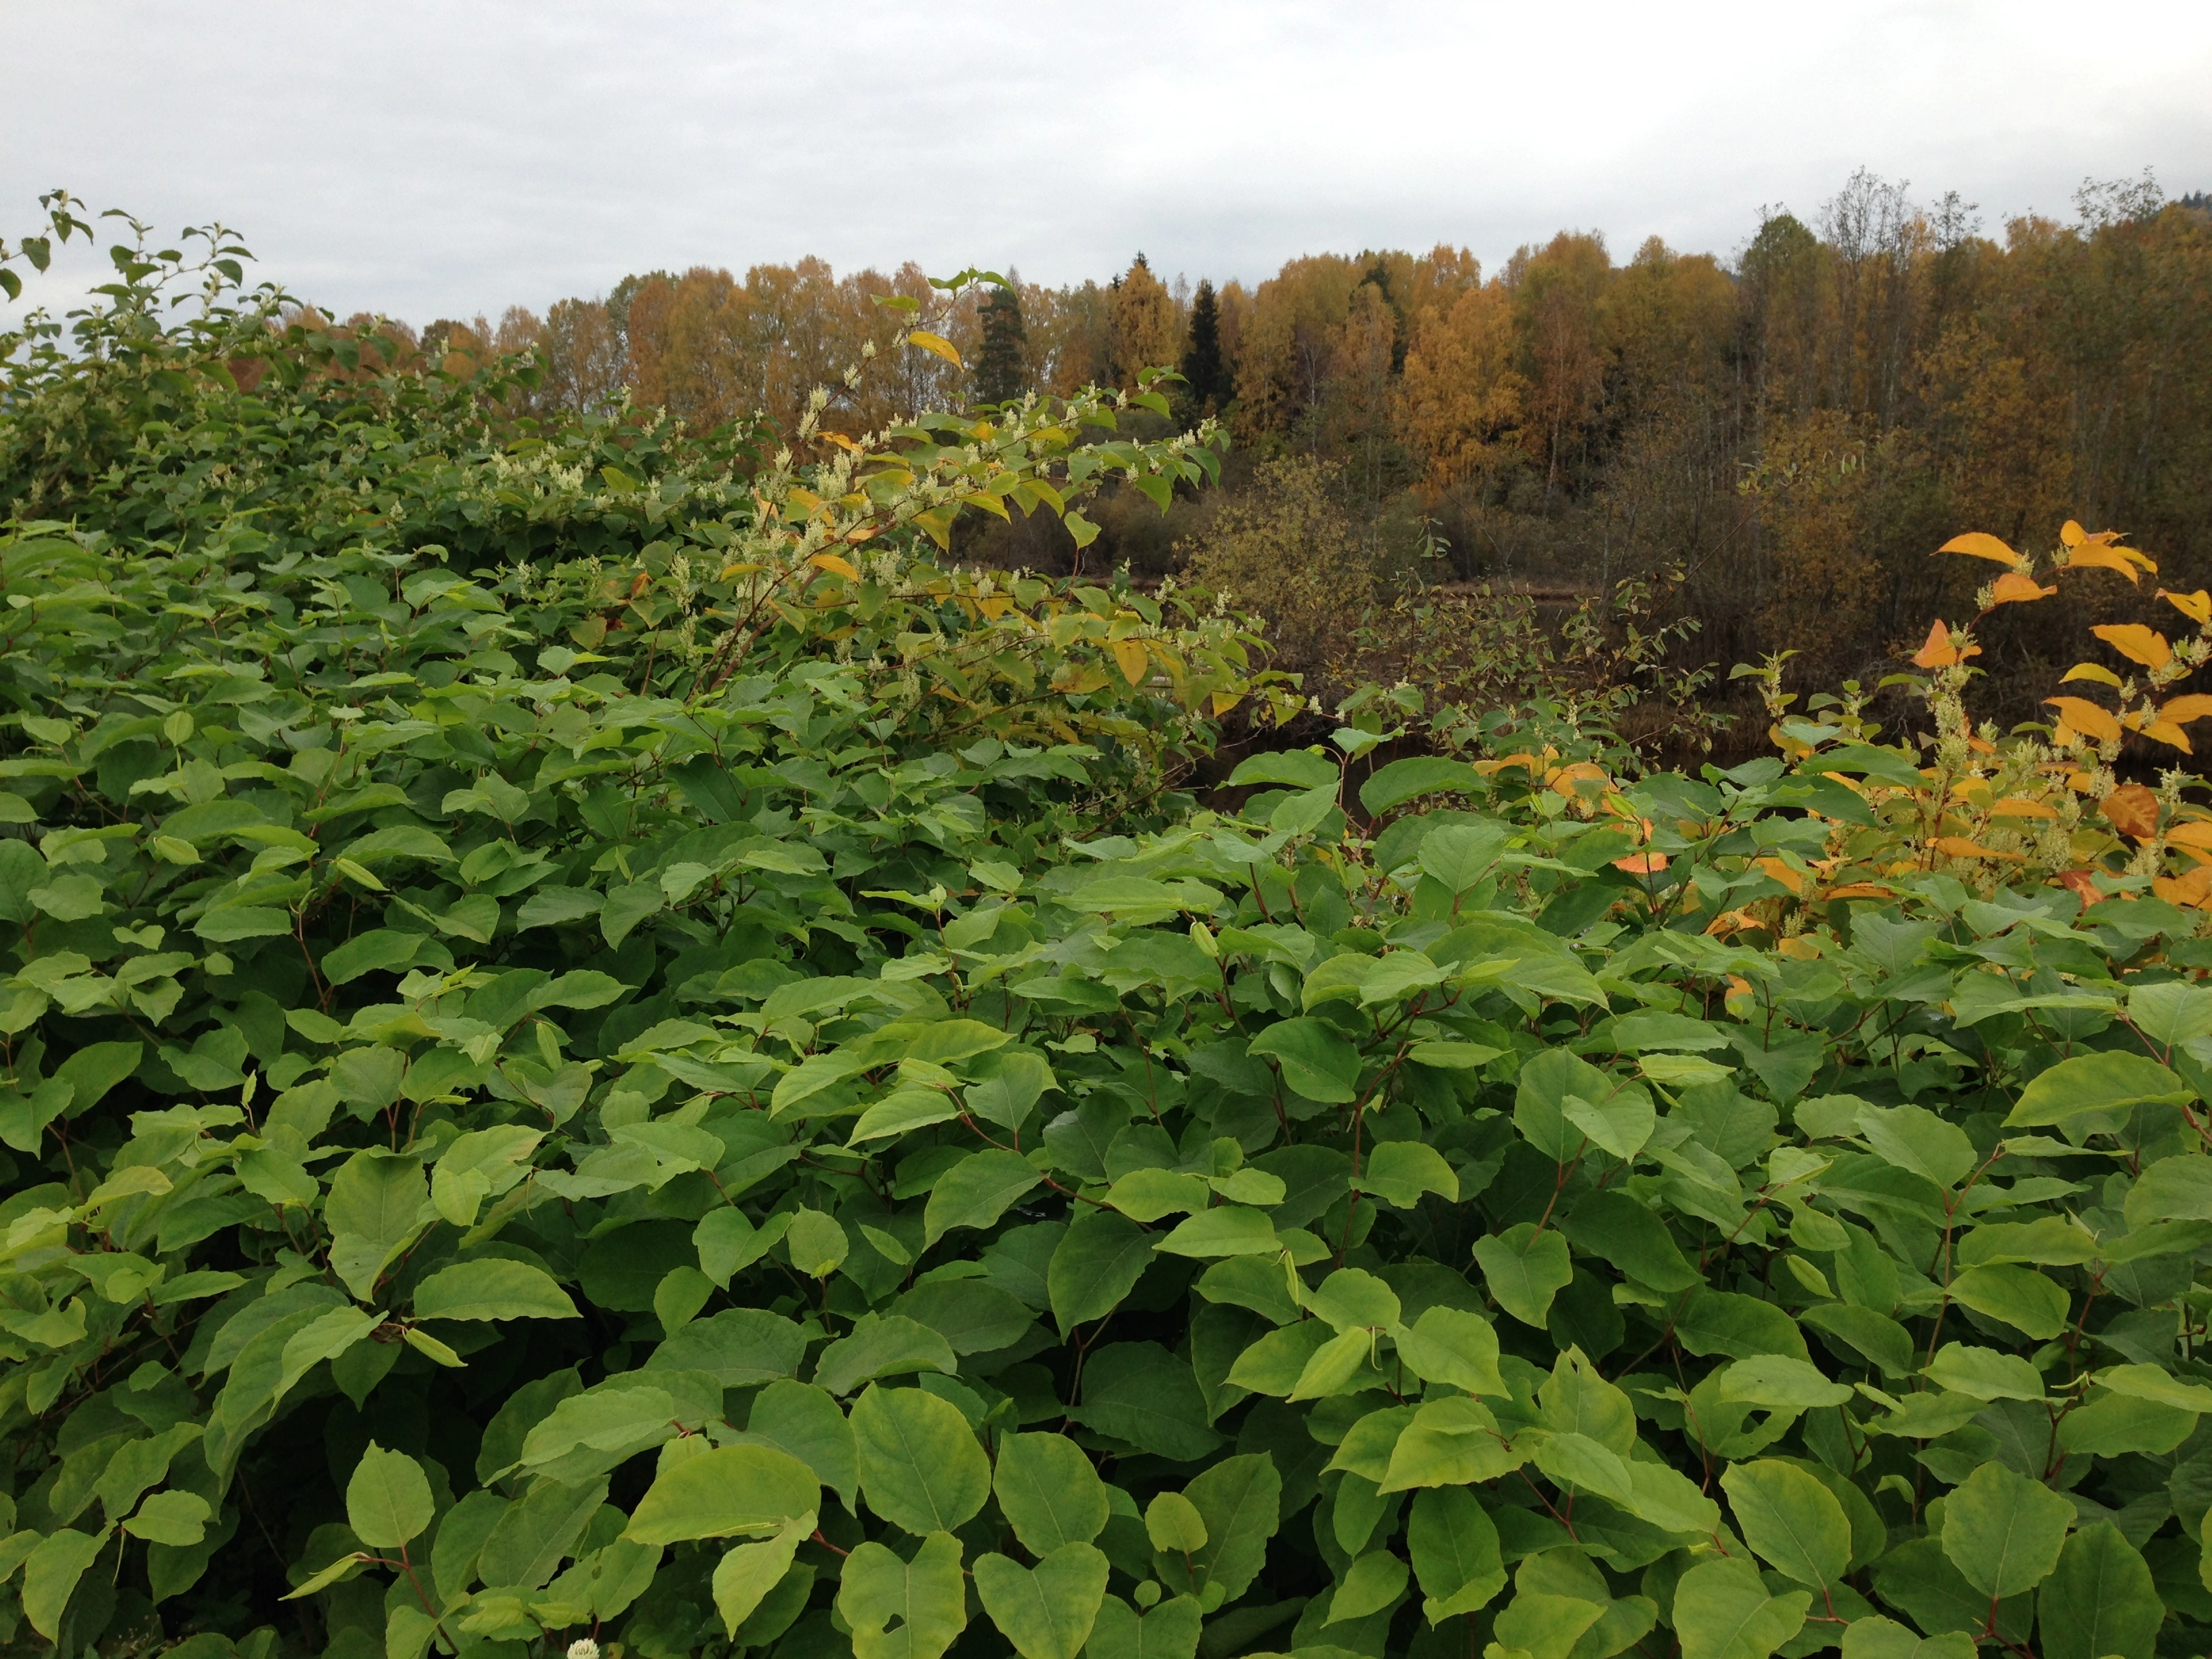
(1394, 785)
(1723, 1611)
(976, 1192)
(926, 1598)
(1792, 1521)
(805, 1422)
(1451, 1442)
(2004, 1531)
(745, 1576)
(920, 1468)
(1460, 855)
(1540, 1095)
(1316, 1062)
(2020, 1297)
(1097, 1261)
(2112, 1082)
(1140, 1393)
(1525, 1269)
(1049, 1491)
(1453, 1544)
(531, 1535)
(1239, 1499)
(1399, 1172)
(728, 1491)
(176, 1518)
(1619, 1123)
(1170, 1630)
(50, 1575)
(893, 1346)
(378, 1203)
(1173, 1523)
(1913, 1138)
(1370, 1584)
(1546, 1625)
(2172, 1189)
(2100, 1600)
(1877, 1638)
(1448, 1344)
(1295, 769)
(388, 1500)
(1046, 1611)
(1777, 1382)
(493, 1289)
(1984, 1373)
(1224, 1230)
(1611, 1225)
(817, 1244)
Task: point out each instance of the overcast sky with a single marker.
(442, 159)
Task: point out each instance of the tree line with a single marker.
(1791, 428)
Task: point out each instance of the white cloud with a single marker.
(434, 159)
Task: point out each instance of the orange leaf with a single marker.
(1792, 879)
(2196, 607)
(1642, 864)
(2191, 888)
(835, 566)
(2170, 734)
(1981, 545)
(2182, 710)
(2087, 718)
(2072, 533)
(1565, 781)
(2089, 555)
(2132, 810)
(1730, 922)
(1958, 847)
(2084, 882)
(839, 439)
(1129, 656)
(2017, 806)
(1851, 890)
(1940, 653)
(2137, 643)
(2013, 588)
(1806, 950)
(2195, 832)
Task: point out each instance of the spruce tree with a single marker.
(1205, 375)
(1001, 365)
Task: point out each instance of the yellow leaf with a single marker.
(2090, 556)
(2196, 607)
(1225, 701)
(835, 566)
(1958, 847)
(1792, 879)
(2182, 710)
(2013, 588)
(2087, 718)
(839, 439)
(1981, 545)
(2092, 670)
(2197, 833)
(2167, 733)
(937, 344)
(2018, 806)
(2137, 643)
(2072, 533)
(937, 525)
(1129, 656)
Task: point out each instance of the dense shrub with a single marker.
(600, 1049)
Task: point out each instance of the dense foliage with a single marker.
(601, 1050)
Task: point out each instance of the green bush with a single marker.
(599, 1049)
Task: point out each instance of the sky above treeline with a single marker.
(429, 159)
